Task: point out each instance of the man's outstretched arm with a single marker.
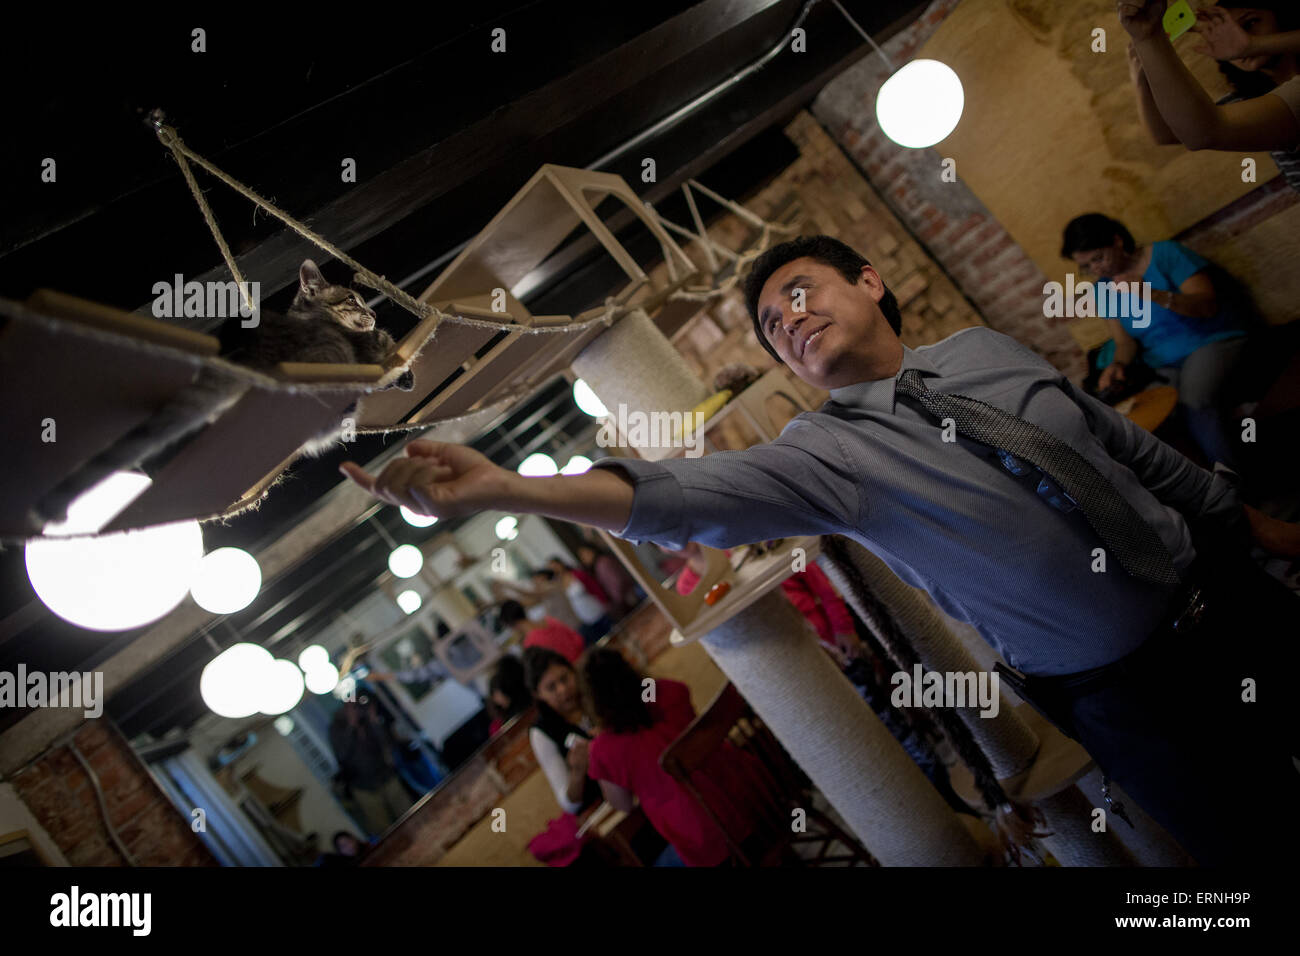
(451, 481)
(800, 484)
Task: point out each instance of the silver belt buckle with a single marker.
(1192, 614)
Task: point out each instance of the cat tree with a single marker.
(96, 371)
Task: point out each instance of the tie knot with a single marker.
(909, 383)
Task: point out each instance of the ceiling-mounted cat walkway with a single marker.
(97, 372)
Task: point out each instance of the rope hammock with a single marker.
(423, 310)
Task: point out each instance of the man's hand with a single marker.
(1224, 39)
(436, 478)
(1273, 535)
(1112, 374)
(1143, 19)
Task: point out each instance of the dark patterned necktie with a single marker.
(1125, 533)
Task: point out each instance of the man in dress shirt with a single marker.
(994, 540)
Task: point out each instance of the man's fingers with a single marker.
(394, 484)
(359, 475)
(423, 448)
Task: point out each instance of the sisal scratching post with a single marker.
(1006, 739)
(634, 365)
(769, 653)
(1146, 841)
(1069, 816)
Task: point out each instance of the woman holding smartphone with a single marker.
(1259, 37)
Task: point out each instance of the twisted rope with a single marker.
(423, 310)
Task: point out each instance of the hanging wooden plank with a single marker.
(92, 387)
(263, 430)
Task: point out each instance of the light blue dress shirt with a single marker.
(948, 517)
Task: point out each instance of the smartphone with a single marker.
(1179, 18)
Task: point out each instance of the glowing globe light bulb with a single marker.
(406, 561)
(312, 657)
(507, 528)
(281, 688)
(409, 601)
(323, 679)
(227, 581)
(417, 520)
(538, 465)
(114, 582)
(577, 465)
(231, 683)
(920, 104)
(586, 400)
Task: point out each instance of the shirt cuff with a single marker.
(657, 501)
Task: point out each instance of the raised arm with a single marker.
(450, 481)
(1148, 112)
(728, 498)
(1265, 122)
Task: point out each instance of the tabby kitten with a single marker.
(325, 323)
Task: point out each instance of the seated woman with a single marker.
(562, 732)
(1254, 36)
(624, 756)
(1195, 332)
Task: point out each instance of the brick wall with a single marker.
(826, 194)
(972, 247)
(58, 792)
(962, 236)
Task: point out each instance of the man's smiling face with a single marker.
(830, 332)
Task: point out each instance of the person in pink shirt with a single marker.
(549, 633)
(810, 591)
(623, 756)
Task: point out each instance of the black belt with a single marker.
(1188, 608)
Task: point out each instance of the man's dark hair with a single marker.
(511, 611)
(539, 660)
(544, 572)
(829, 252)
(1091, 231)
(611, 691)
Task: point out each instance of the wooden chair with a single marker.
(778, 787)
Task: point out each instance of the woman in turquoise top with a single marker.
(1191, 332)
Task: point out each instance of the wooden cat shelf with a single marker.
(97, 371)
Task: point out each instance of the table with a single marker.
(754, 579)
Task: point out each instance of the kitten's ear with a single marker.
(310, 280)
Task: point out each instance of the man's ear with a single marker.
(875, 285)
